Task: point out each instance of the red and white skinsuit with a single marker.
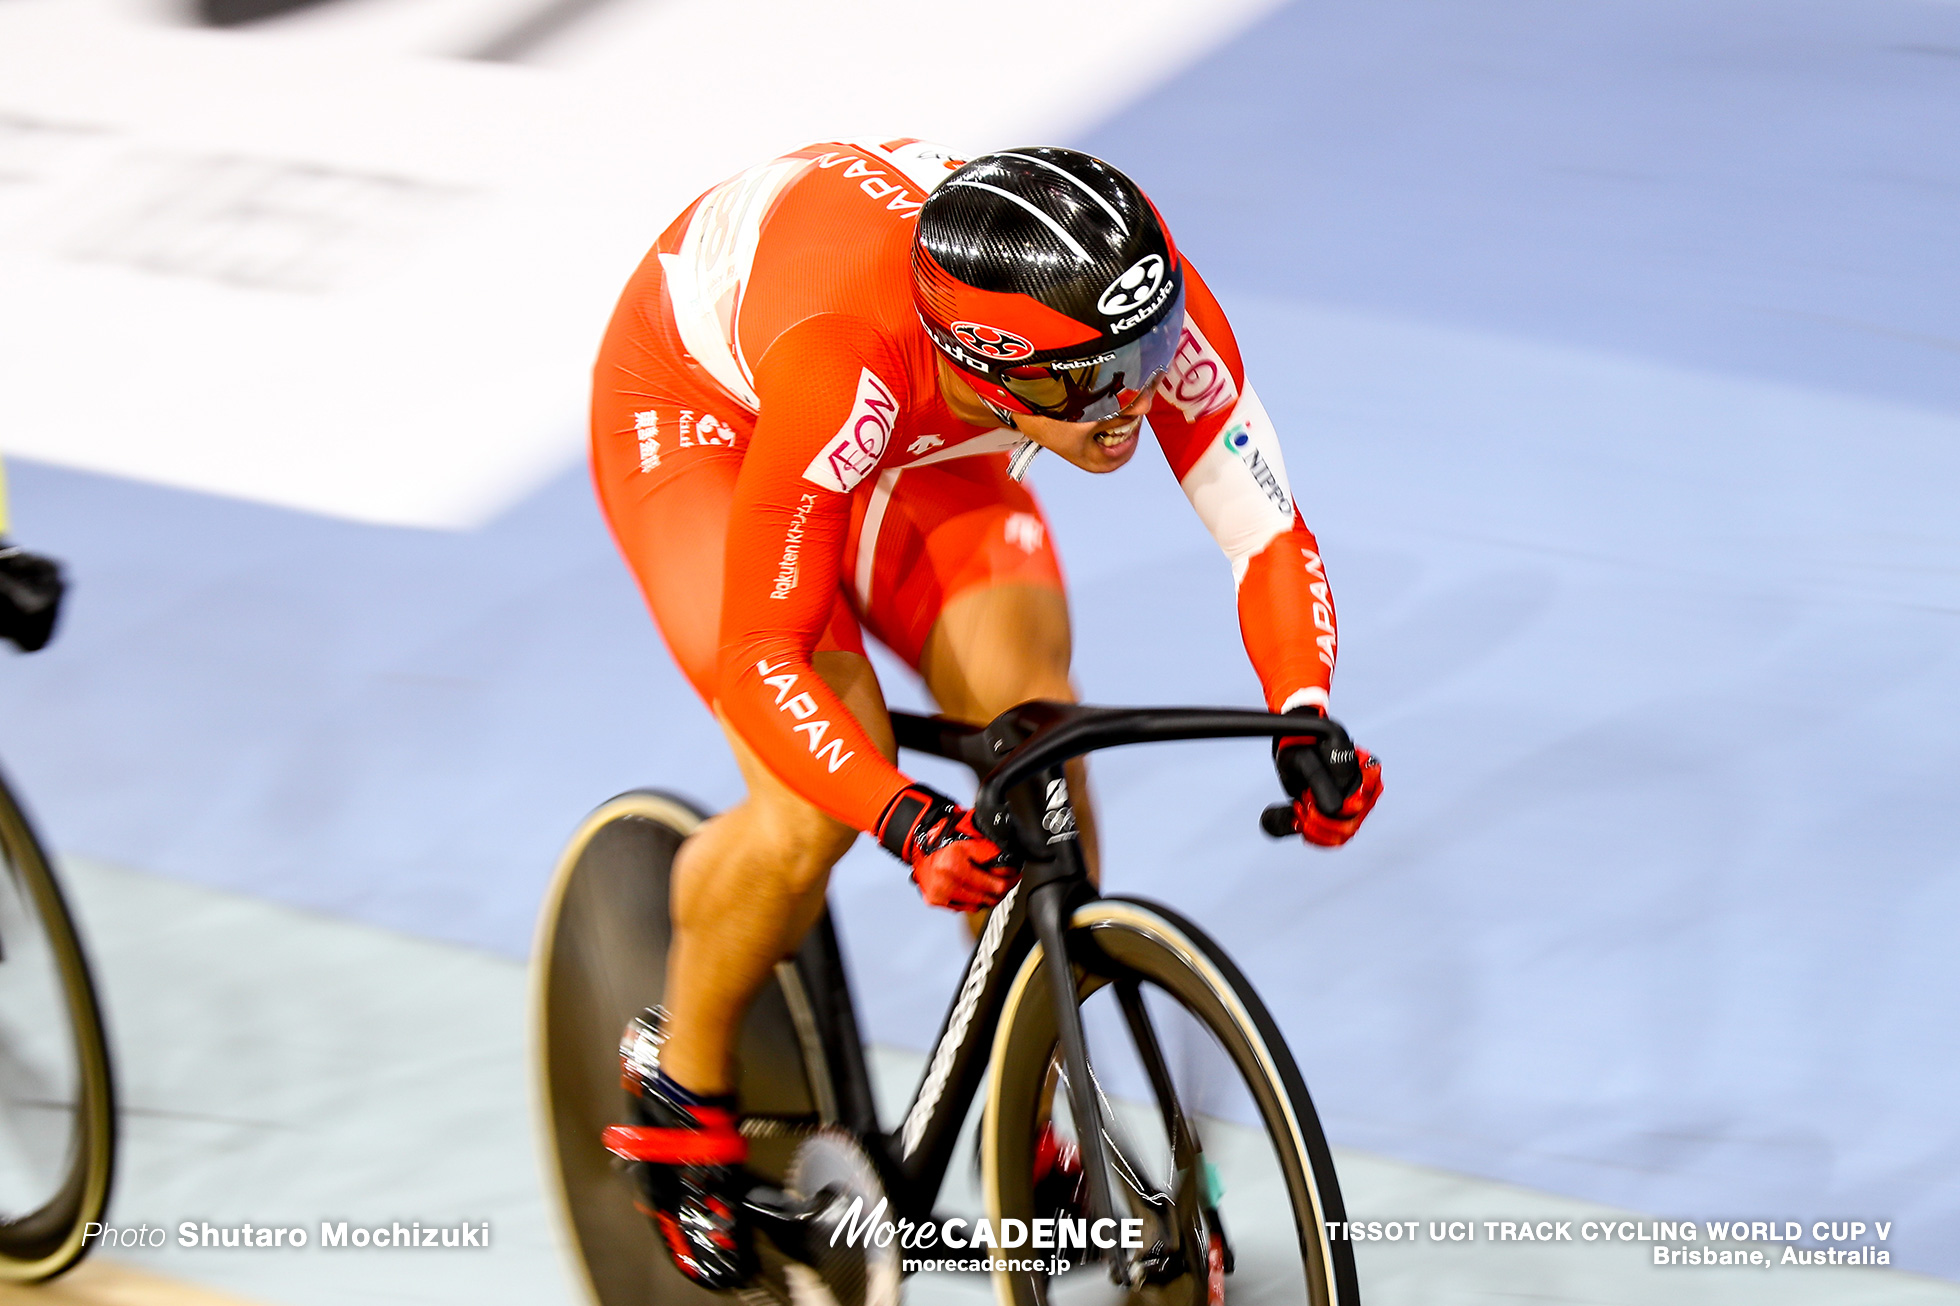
(780, 470)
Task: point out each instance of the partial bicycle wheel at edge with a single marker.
(1260, 1241)
(57, 1100)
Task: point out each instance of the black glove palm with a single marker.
(30, 597)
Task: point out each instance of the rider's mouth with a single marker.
(1118, 437)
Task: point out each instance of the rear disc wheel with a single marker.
(600, 959)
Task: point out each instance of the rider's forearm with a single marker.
(772, 695)
(1286, 614)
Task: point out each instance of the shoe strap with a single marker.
(710, 1146)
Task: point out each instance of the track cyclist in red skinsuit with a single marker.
(810, 417)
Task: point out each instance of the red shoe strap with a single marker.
(713, 1146)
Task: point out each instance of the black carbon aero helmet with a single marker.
(1048, 279)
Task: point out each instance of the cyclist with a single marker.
(30, 589)
(811, 413)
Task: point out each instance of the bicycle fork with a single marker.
(1047, 909)
(1048, 887)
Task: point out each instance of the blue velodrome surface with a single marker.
(1615, 350)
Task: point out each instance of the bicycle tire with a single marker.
(45, 967)
(599, 958)
(1116, 940)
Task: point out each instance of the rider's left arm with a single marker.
(1226, 455)
(1221, 444)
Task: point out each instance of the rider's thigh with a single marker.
(929, 535)
(994, 647)
(671, 524)
(672, 532)
(999, 629)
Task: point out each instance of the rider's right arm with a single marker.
(831, 391)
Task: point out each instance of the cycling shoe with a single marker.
(686, 1156)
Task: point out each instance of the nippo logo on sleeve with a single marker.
(853, 452)
(992, 342)
(1134, 288)
(1238, 439)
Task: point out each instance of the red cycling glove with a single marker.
(1305, 764)
(953, 864)
(1332, 831)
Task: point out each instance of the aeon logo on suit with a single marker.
(1198, 383)
(853, 453)
(1134, 288)
(992, 341)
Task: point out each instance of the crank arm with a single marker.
(794, 1224)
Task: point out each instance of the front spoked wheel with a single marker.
(57, 1103)
(1212, 1142)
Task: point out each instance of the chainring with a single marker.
(846, 1271)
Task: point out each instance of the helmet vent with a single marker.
(1060, 231)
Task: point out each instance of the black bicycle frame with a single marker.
(1024, 805)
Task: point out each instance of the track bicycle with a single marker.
(57, 1097)
(1149, 1055)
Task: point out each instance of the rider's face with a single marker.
(1093, 446)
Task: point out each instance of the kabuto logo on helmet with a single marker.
(1134, 288)
(991, 342)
